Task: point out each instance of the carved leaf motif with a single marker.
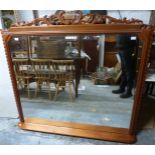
(76, 17)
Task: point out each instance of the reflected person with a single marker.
(125, 47)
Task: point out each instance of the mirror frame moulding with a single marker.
(126, 135)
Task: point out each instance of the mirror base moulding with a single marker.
(78, 130)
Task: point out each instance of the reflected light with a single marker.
(16, 39)
(71, 37)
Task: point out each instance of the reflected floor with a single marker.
(94, 105)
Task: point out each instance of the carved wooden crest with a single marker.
(76, 17)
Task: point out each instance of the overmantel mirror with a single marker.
(67, 78)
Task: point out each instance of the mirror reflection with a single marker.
(77, 78)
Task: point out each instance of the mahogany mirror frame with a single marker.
(126, 135)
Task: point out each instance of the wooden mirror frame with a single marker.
(126, 135)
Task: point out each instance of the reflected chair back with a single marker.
(64, 69)
(23, 76)
(41, 67)
(64, 74)
(20, 67)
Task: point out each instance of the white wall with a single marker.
(42, 13)
(25, 15)
(7, 100)
(144, 15)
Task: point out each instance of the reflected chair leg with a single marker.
(28, 88)
(20, 84)
(73, 85)
(37, 89)
(70, 91)
(73, 82)
(56, 92)
(49, 90)
(40, 84)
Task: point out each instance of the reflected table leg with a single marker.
(77, 75)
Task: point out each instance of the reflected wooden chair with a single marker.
(21, 67)
(41, 69)
(64, 75)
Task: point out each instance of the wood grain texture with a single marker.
(146, 37)
(77, 125)
(75, 29)
(75, 129)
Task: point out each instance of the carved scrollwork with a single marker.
(113, 20)
(76, 17)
